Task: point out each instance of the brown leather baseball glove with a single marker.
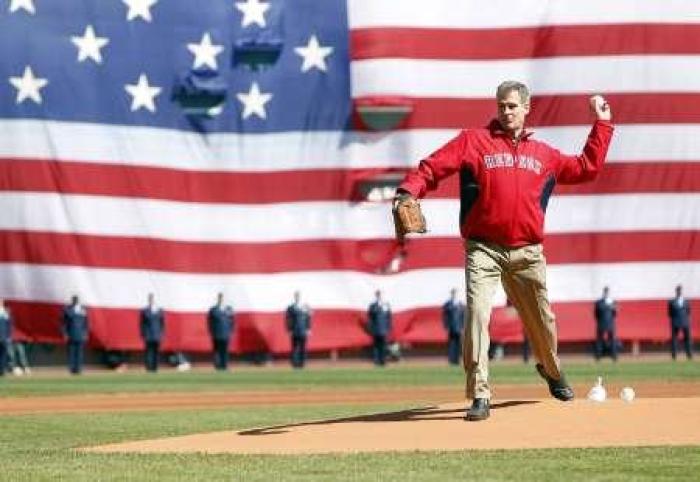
(408, 217)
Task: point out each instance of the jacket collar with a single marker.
(496, 130)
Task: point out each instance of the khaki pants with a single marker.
(522, 272)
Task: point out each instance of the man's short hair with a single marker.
(511, 85)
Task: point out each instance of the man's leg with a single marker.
(152, 356)
(22, 358)
(224, 354)
(147, 356)
(453, 348)
(483, 274)
(156, 355)
(674, 337)
(688, 341)
(613, 343)
(293, 354)
(599, 343)
(72, 357)
(302, 351)
(217, 354)
(80, 356)
(382, 350)
(525, 280)
(3, 357)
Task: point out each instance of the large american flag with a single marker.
(109, 190)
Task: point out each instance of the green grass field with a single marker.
(40, 447)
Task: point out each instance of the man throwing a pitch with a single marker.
(506, 178)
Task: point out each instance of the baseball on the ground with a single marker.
(627, 394)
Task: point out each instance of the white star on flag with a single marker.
(143, 95)
(27, 5)
(89, 45)
(314, 55)
(253, 12)
(139, 8)
(28, 86)
(205, 52)
(254, 102)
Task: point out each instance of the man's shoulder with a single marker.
(476, 132)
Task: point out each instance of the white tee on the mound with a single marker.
(627, 394)
(597, 393)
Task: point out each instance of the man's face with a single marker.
(512, 112)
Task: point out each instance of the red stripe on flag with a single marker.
(559, 110)
(182, 185)
(368, 256)
(279, 187)
(527, 42)
(117, 328)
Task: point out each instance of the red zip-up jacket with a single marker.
(505, 186)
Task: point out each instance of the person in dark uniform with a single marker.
(453, 321)
(679, 314)
(605, 314)
(221, 324)
(75, 332)
(298, 320)
(5, 336)
(152, 328)
(379, 327)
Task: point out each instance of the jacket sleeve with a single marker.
(587, 165)
(440, 164)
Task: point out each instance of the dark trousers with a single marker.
(601, 343)
(454, 348)
(298, 358)
(75, 356)
(151, 355)
(221, 354)
(4, 350)
(687, 341)
(379, 349)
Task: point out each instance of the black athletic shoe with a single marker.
(559, 389)
(478, 411)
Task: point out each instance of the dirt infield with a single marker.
(523, 416)
(514, 424)
(217, 400)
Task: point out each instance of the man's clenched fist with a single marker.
(600, 107)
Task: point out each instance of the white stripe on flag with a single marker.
(109, 216)
(327, 289)
(559, 75)
(73, 142)
(522, 13)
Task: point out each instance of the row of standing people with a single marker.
(75, 331)
(221, 324)
(606, 309)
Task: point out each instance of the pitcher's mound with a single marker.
(513, 425)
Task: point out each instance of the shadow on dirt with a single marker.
(413, 414)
